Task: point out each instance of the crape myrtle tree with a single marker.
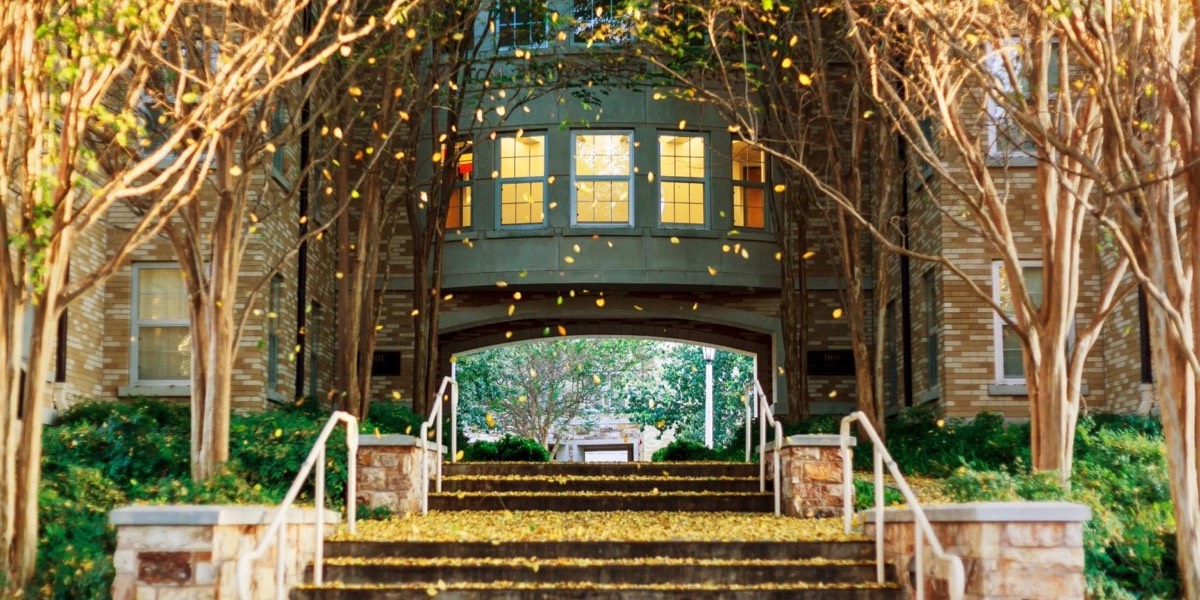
(261, 60)
(1003, 90)
(1138, 62)
(540, 389)
(76, 152)
(789, 86)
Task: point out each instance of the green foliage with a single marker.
(393, 417)
(509, 448)
(1121, 473)
(76, 544)
(864, 495)
(127, 443)
(268, 449)
(686, 450)
(683, 406)
(924, 443)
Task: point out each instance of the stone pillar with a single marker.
(190, 552)
(389, 471)
(1010, 550)
(811, 475)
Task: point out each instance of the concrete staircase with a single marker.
(545, 569)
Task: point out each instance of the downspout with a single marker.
(302, 255)
(905, 275)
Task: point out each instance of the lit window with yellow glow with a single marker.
(749, 187)
(602, 172)
(682, 179)
(522, 181)
(459, 215)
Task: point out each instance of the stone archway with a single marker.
(473, 328)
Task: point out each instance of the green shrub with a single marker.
(686, 450)
(128, 444)
(864, 495)
(509, 448)
(76, 543)
(392, 417)
(1120, 472)
(267, 450)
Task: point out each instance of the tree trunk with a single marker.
(790, 236)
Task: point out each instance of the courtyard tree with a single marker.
(259, 61)
(1012, 110)
(790, 87)
(542, 389)
(1138, 62)
(681, 406)
(73, 154)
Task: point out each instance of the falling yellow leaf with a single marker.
(569, 259)
(787, 63)
(779, 188)
(596, 379)
(674, 240)
(521, 399)
(600, 302)
(809, 254)
(278, 432)
(683, 123)
(501, 284)
(508, 335)
(516, 295)
(712, 271)
(804, 79)
(533, 373)
(459, 456)
(512, 308)
(491, 421)
(396, 395)
(837, 313)
(562, 330)
(833, 394)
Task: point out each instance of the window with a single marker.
(160, 326)
(601, 22)
(749, 187)
(1009, 365)
(522, 179)
(682, 176)
(278, 124)
(891, 387)
(602, 173)
(929, 285)
(520, 23)
(273, 333)
(459, 215)
(1006, 139)
(312, 342)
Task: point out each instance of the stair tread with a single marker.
(588, 585)
(599, 493)
(591, 562)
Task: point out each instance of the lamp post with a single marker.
(709, 355)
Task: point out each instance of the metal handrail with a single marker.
(277, 532)
(435, 419)
(956, 582)
(767, 415)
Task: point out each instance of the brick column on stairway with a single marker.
(389, 471)
(811, 475)
(190, 552)
(1010, 550)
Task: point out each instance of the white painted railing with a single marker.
(277, 532)
(435, 420)
(956, 579)
(756, 402)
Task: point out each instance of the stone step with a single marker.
(573, 591)
(852, 550)
(555, 469)
(568, 483)
(601, 501)
(598, 571)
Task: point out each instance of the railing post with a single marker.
(440, 460)
(879, 512)
(318, 567)
(352, 474)
(424, 470)
(762, 446)
(453, 421)
(749, 418)
(847, 476)
(920, 577)
(280, 559)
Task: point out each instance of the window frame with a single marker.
(503, 8)
(613, 7)
(705, 181)
(274, 304)
(998, 323)
(576, 179)
(932, 329)
(465, 188)
(994, 65)
(136, 324)
(736, 183)
(501, 180)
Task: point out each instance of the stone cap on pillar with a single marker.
(216, 514)
(396, 439)
(991, 512)
(812, 440)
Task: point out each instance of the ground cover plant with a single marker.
(101, 455)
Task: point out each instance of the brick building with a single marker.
(638, 216)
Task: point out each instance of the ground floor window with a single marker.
(1010, 366)
(159, 329)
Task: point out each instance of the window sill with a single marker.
(1015, 160)
(933, 393)
(1015, 389)
(155, 390)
